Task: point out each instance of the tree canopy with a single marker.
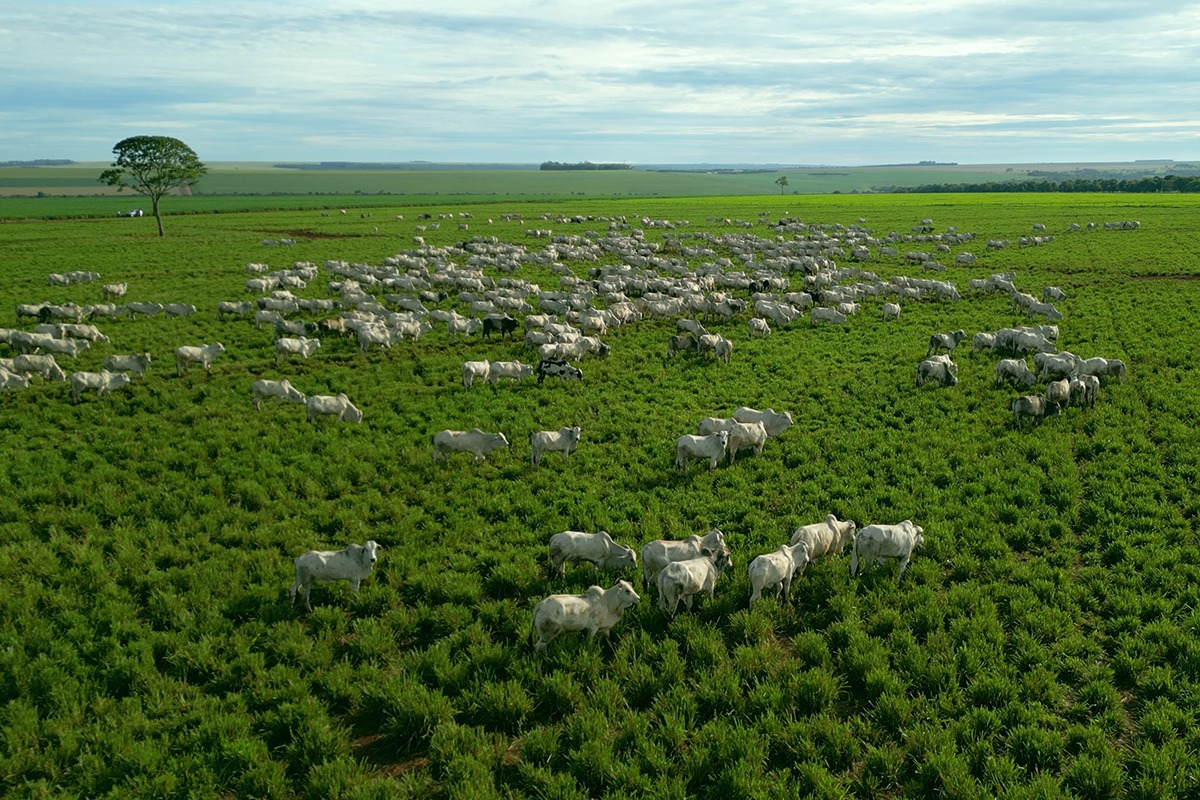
(153, 166)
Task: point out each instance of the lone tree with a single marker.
(782, 181)
(153, 166)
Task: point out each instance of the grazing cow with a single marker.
(945, 341)
(203, 355)
(690, 326)
(1015, 372)
(501, 324)
(877, 542)
(411, 330)
(352, 564)
(776, 570)
(1060, 365)
(683, 580)
(744, 435)
(1084, 390)
(110, 290)
(713, 424)
(659, 553)
(179, 309)
(1058, 393)
(374, 335)
(474, 441)
(557, 368)
(759, 326)
(1052, 293)
(149, 309)
(825, 314)
(463, 325)
(563, 440)
(723, 349)
(891, 311)
(303, 347)
(938, 369)
(475, 370)
(12, 380)
(43, 365)
(514, 370)
(682, 343)
(825, 538)
(596, 611)
(280, 390)
(135, 364)
(326, 405)
(983, 341)
(775, 422)
(1028, 407)
(103, 382)
(234, 308)
(1044, 309)
(711, 447)
(598, 549)
(66, 347)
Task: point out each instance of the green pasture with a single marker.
(1041, 644)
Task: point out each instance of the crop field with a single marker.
(1042, 643)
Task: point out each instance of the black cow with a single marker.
(557, 368)
(504, 325)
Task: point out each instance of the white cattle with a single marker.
(563, 440)
(374, 335)
(825, 538)
(713, 424)
(179, 309)
(474, 370)
(690, 326)
(937, 368)
(659, 553)
(109, 290)
(13, 380)
(945, 341)
(1058, 393)
(352, 564)
(891, 311)
(1051, 293)
(983, 341)
(598, 549)
(463, 325)
(776, 570)
(149, 309)
(474, 441)
(303, 347)
(1015, 372)
(77, 330)
(759, 326)
(877, 542)
(135, 364)
(723, 349)
(825, 314)
(1046, 310)
(411, 330)
(1084, 390)
(712, 447)
(683, 580)
(103, 382)
(514, 370)
(596, 611)
(327, 405)
(280, 390)
(775, 422)
(236, 308)
(1102, 367)
(1028, 407)
(743, 435)
(43, 365)
(1056, 365)
(66, 347)
(202, 354)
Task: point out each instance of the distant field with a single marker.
(1042, 643)
(241, 179)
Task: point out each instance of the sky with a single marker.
(799, 82)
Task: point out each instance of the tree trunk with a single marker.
(157, 216)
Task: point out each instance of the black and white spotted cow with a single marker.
(557, 368)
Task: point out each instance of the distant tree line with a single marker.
(1151, 185)
(38, 162)
(585, 165)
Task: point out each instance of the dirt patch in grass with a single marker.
(1165, 277)
(302, 234)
